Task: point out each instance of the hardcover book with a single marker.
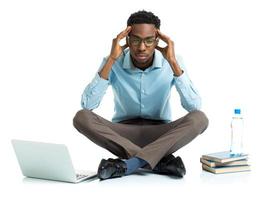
(218, 164)
(224, 157)
(226, 169)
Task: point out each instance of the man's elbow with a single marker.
(86, 104)
(194, 105)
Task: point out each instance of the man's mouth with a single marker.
(141, 56)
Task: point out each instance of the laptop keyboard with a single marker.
(79, 176)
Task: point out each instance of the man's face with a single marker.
(142, 42)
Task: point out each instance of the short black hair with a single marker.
(143, 17)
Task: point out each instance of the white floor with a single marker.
(196, 184)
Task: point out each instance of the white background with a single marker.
(50, 50)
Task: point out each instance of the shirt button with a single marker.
(142, 106)
(143, 91)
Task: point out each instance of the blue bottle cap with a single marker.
(237, 111)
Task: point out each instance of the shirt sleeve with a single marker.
(189, 96)
(94, 91)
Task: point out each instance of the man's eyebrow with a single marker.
(142, 38)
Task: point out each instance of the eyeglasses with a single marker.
(136, 41)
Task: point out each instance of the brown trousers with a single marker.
(147, 139)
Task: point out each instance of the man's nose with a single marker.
(142, 46)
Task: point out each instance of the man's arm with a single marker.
(104, 73)
(169, 54)
(116, 51)
(190, 98)
(95, 90)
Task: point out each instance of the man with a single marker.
(141, 74)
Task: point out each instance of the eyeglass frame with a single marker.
(143, 40)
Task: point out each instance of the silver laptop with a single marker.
(47, 161)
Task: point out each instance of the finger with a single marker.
(124, 33)
(159, 48)
(162, 36)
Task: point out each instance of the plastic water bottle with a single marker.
(237, 129)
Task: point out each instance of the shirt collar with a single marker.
(157, 62)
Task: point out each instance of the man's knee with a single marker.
(198, 120)
(81, 117)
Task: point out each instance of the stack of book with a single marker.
(224, 162)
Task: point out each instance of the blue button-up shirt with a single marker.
(138, 93)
